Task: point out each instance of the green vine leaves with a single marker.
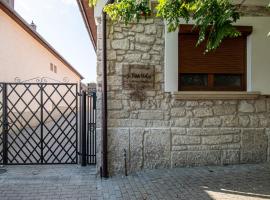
(214, 18)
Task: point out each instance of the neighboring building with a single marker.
(92, 87)
(169, 105)
(25, 56)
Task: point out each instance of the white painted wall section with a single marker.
(171, 61)
(99, 7)
(258, 55)
(249, 63)
(24, 57)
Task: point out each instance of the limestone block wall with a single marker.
(162, 132)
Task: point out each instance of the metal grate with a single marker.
(42, 123)
(91, 136)
(24, 130)
(60, 133)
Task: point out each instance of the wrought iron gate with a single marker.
(1, 123)
(91, 129)
(39, 123)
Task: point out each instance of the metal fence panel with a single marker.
(91, 136)
(23, 111)
(1, 123)
(60, 124)
(42, 123)
(39, 124)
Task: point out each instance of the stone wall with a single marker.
(162, 132)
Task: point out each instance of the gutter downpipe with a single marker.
(104, 162)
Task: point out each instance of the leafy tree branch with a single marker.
(213, 18)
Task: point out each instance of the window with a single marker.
(221, 70)
(51, 67)
(55, 69)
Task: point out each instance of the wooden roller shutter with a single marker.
(228, 61)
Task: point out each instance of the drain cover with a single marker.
(2, 171)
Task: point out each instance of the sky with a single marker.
(61, 24)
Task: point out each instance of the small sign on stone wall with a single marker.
(138, 78)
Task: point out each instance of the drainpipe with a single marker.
(104, 164)
(104, 168)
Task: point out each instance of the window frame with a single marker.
(55, 69)
(51, 67)
(190, 30)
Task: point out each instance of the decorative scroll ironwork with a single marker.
(42, 121)
(66, 80)
(41, 79)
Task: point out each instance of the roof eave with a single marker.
(86, 22)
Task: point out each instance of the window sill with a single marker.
(214, 95)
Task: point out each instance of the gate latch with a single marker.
(5, 125)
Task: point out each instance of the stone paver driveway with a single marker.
(241, 182)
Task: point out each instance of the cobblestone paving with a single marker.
(241, 182)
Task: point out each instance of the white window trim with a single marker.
(214, 95)
(249, 63)
(171, 63)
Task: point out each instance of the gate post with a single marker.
(5, 125)
(41, 124)
(83, 129)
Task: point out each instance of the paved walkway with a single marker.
(242, 182)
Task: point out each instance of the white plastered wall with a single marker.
(24, 57)
(258, 58)
(258, 55)
(99, 7)
(171, 61)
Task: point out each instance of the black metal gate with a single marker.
(39, 123)
(91, 129)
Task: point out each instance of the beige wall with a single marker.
(22, 56)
